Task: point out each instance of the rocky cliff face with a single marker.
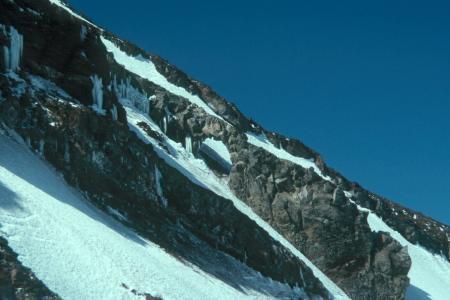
(311, 212)
(68, 97)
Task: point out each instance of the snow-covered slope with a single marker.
(81, 253)
(429, 274)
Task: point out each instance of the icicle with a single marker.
(129, 95)
(66, 151)
(159, 190)
(97, 158)
(303, 193)
(97, 94)
(165, 124)
(6, 57)
(41, 147)
(83, 33)
(128, 87)
(158, 181)
(146, 105)
(16, 49)
(114, 113)
(302, 278)
(13, 54)
(188, 144)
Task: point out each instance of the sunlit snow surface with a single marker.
(262, 142)
(429, 274)
(63, 6)
(146, 69)
(199, 173)
(81, 253)
(219, 149)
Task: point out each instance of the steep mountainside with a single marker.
(169, 191)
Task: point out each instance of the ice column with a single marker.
(97, 94)
(83, 33)
(188, 143)
(159, 190)
(12, 54)
(114, 112)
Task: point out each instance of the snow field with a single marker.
(80, 252)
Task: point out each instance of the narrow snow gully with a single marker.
(63, 6)
(261, 141)
(429, 274)
(80, 252)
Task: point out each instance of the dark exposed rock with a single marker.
(315, 217)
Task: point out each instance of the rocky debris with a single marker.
(146, 296)
(18, 282)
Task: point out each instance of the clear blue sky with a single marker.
(365, 83)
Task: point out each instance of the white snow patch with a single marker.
(145, 68)
(82, 253)
(219, 149)
(429, 274)
(198, 172)
(263, 142)
(43, 85)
